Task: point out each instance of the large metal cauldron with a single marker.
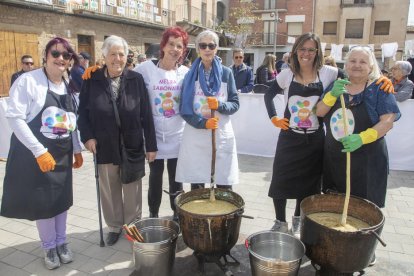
(344, 252)
(210, 234)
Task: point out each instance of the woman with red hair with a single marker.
(164, 78)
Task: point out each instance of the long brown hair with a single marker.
(294, 61)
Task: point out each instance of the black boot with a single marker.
(153, 215)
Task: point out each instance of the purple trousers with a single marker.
(52, 231)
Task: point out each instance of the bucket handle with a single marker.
(247, 243)
(377, 236)
(240, 214)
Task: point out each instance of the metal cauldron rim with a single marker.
(239, 211)
(339, 195)
(172, 238)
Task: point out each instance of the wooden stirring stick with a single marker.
(138, 234)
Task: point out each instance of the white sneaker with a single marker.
(65, 254)
(280, 226)
(51, 258)
(296, 226)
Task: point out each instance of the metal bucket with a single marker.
(155, 256)
(274, 253)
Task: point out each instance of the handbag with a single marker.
(132, 167)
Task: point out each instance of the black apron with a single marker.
(369, 163)
(28, 193)
(297, 168)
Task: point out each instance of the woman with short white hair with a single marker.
(402, 85)
(110, 86)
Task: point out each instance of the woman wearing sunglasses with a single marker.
(115, 112)
(208, 86)
(297, 168)
(38, 180)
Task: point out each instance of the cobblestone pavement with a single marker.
(20, 253)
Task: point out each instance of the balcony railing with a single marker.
(266, 39)
(357, 3)
(196, 16)
(137, 11)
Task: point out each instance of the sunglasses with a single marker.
(309, 50)
(28, 63)
(204, 46)
(65, 55)
(238, 57)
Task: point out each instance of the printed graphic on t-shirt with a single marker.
(57, 123)
(302, 110)
(166, 97)
(165, 103)
(337, 123)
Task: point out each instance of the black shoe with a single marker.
(153, 215)
(112, 238)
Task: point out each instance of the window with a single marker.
(269, 4)
(354, 28)
(382, 28)
(329, 28)
(294, 28)
(359, 1)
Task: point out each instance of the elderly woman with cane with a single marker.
(115, 114)
(208, 86)
(38, 181)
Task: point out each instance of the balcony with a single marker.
(266, 39)
(140, 12)
(195, 16)
(357, 3)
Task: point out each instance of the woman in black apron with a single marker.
(40, 188)
(371, 113)
(297, 168)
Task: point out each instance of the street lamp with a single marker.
(275, 14)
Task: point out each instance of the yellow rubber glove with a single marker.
(282, 123)
(46, 162)
(78, 161)
(386, 84)
(354, 141)
(368, 136)
(212, 123)
(88, 72)
(212, 103)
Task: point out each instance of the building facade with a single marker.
(373, 23)
(27, 25)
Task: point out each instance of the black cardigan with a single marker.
(97, 118)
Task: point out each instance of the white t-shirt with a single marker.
(164, 88)
(27, 98)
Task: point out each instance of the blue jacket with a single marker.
(243, 75)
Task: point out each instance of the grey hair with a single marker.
(238, 50)
(112, 41)
(375, 72)
(204, 34)
(405, 67)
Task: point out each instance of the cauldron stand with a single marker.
(219, 259)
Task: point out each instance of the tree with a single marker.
(240, 27)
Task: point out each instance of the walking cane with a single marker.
(98, 195)
(213, 160)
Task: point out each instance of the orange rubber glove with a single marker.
(78, 161)
(46, 162)
(212, 123)
(386, 84)
(282, 123)
(88, 72)
(212, 103)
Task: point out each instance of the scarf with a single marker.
(188, 90)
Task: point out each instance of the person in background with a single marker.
(78, 69)
(101, 135)
(243, 74)
(267, 71)
(208, 86)
(329, 60)
(27, 65)
(163, 79)
(283, 63)
(141, 58)
(187, 63)
(402, 85)
(130, 60)
(38, 179)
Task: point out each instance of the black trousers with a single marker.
(155, 183)
(195, 186)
